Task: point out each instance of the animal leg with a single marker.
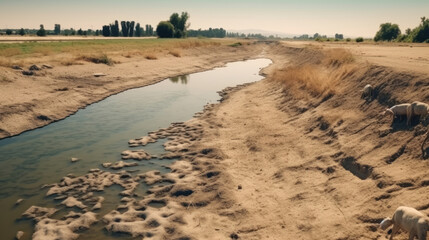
(395, 229)
(409, 114)
(411, 235)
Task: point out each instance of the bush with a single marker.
(359, 39)
(41, 32)
(165, 29)
(348, 39)
(387, 32)
(8, 32)
(420, 33)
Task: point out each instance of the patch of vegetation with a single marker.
(237, 44)
(151, 56)
(165, 29)
(100, 59)
(175, 53)
(387, 32)
(359, 39)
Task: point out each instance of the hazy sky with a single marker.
(351, 18)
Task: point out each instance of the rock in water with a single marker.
(19, 201)
(73, 159)
(19, 235)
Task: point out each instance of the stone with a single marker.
(34, 68)
(47, 66)
(16, 67)
(28, 73)
(99, 75)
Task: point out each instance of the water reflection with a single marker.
(183, 79)
(98, 134)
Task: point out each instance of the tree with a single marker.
(57, 29)
(106, 30)
(139, 30)
(183, 25)
(80, 32)
(41, 32)
(8, 32)
(131, 29)
(165, 29)
(179, 24)
(421, 32)
(174, 19)
(387, 32)
(21, 32)
(114, 29)
(339, 36)
(124, 26)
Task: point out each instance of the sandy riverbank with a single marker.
(285, 165)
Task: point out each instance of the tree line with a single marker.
(391, 32)
(209, 33)
(128, 29)
(57, 31)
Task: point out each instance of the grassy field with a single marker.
(70, 51)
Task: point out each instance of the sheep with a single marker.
(400, 109)
(410, 220)
(367, 92)
(417, 109)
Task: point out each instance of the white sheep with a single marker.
(367, 92)
(417, 109)
(407, 219)
(400, 109)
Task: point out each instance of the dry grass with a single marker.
(131, 54)
(175, 52)
(9, 62)
(150, 56)
(318, 79)
(9, 52)
(69, 62)
(4, 79)
(74, 52)
(337, 57)
(98, 59)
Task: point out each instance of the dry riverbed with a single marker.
(276, 159)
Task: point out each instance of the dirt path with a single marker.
(325, 172)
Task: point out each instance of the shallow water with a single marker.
(98, 134)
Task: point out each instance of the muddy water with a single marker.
(98, 134)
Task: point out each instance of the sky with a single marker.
(353, 18)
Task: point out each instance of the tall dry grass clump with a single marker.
(98, 58)
(175, 52)
(318, 79)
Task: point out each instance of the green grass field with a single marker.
(100, 45)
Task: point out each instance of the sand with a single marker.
(276, 163)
